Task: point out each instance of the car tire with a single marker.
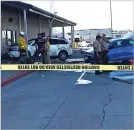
(62, 55)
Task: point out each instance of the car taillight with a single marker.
(131, 61)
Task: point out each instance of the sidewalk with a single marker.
(6, 74)
(11, 76)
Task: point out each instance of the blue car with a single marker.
(121, 51)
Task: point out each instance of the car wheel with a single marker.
(62, 55)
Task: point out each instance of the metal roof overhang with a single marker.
(51, 17)
(30, 8)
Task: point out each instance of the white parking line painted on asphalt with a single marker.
(83, 81)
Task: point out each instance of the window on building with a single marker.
(118, 36)
(9, 40)
(9, 37)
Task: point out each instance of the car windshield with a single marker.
(129, 35)
(31, 42)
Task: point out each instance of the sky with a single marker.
(92, 14)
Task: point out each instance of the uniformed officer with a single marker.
(47, 51)
(104, 48)
(40, 42)
(97, 51)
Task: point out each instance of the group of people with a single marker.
(100, 51)
(42, 47)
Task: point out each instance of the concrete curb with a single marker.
(123, 81)
(14, 78)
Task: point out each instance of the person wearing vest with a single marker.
(97, 51)
(47, 50)
(22, 43)
(104, 48)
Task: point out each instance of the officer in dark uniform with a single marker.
(40, 42)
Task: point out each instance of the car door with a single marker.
(127, 49)
(53, 47)
(31, 47)
(115, 50)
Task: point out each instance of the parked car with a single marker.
(121, 51)
(60, 48)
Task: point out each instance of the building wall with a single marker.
(6, 14)
(44, 25)
(34, 25)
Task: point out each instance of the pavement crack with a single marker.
(56, 112)
(105, 105)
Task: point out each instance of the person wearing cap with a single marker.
(97, 51)
(22, 43)
(104, 48)
(40, 46)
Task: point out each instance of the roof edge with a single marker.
(28, 6)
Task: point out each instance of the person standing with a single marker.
(47, 51)
(22, 43)
(97, 51)
(104, 48)
(40, 42)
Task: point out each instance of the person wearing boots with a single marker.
(40, 42)
(22, 44)
(97, 52)
(104, 49)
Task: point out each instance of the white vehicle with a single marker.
(60, 48)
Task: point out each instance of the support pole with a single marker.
(25, 30)
(19, 21)
(111, 19)
(63, 31)
(50, 28)
(72, 36)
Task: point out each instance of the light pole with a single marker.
(111, 18)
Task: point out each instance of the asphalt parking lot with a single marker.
(67, 100)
